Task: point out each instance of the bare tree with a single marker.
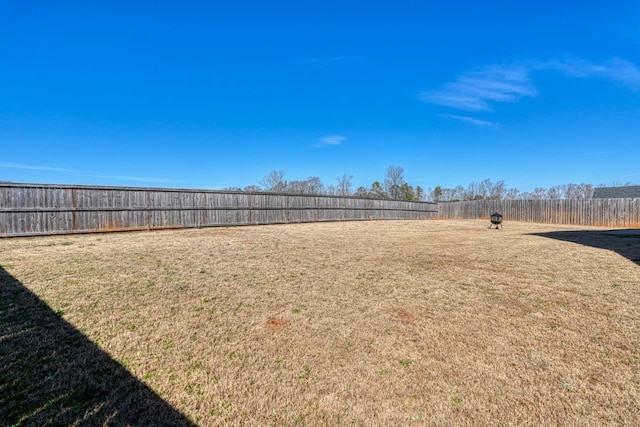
(511, 194)
(497, 190)
(472, 192)
(458, 193)
(556, 192)
(345, 185)
(583, 191)
(395, 187)
(314, 185)
(448, 194)
(570, 191)
(274, 181)
(393, 180)
(618, 183)
(296, 187)
(489, 190)
(311, 185)
(485, 188)
(539, 193)
(252, 188)
(524, 195)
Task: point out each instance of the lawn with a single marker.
(356, 323)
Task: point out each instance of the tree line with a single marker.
(392, 187)
(489, 190)
(395, 187)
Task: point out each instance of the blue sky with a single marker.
(208, 94)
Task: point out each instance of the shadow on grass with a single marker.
(626, 243)
(51, 374)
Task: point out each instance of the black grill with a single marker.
(496, 219)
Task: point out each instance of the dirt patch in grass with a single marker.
(358, 323)
(276, 324)
(405, 316)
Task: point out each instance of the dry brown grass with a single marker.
(361, 323)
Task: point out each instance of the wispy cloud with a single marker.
(481, 89)
(477, 90)
(616, 69)
(330, 140)
(37, 168)
(470, 120)
(88, 174)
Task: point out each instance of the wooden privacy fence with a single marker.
(591, 212)
(30, 209)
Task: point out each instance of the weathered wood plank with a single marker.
(590, 212)
(27, 209)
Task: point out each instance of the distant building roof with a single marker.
(627, 192)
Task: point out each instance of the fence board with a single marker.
(31, 209)
(589, 212)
